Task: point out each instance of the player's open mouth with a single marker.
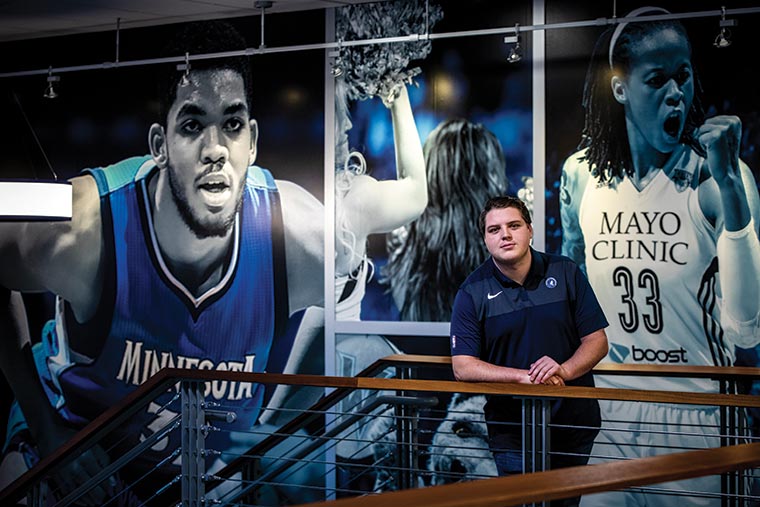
(214, 187)
(215, 191)
(672, 125)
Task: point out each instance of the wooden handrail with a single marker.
(167, 377)
(676, 370)
(647, 370)
(545, 391)
(567, 482)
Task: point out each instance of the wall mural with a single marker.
(651, 156)
(473, 115)
(424, 133)
(473, 139)
(184, 251)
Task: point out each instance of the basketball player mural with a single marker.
(663, 215)
(190, 257)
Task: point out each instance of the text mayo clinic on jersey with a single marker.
(642, 223)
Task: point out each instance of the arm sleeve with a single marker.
(739, 257)
(465, 327)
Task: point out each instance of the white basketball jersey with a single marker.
(651, 259)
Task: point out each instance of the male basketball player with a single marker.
(190, 257)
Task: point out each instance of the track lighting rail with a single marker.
(511, 30)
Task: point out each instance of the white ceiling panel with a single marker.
(29, 19)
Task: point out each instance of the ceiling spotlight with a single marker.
(514, 55)
(335, 69)
(723, 39)
(49, 90)
(515, 52)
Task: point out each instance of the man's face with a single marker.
(659, 90)
(507, 236)
(209, 146)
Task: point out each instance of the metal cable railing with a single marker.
(360, 439)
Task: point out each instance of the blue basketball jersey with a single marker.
(148, 320)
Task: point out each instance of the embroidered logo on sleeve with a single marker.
(453, 341)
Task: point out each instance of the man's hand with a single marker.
(544, 369)
(555, 380)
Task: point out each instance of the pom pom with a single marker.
(380, 70)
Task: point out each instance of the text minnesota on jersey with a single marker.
(138, 365)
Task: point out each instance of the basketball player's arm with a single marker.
(303, 220)
(738, 246)
(45, 425)
(306, 357)
(593, 348)
(374, 206)
(739, 260)
(64, 258)
(61, 257)
(571, 189)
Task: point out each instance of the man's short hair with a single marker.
(502, 202)
(207, 37)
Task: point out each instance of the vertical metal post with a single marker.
(535, 426)
(744, 477)
(404, 438)
(403, 444)
(545, 434)
(544, 438)
(730, 482)
(193, 445)
(251, 472)
(414, 471)
(527, 430)
(529, 426)
(723, 442)
(536, 414)
(736, 479)
(37, 495)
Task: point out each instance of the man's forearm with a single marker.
(593, 348)
(472, 369)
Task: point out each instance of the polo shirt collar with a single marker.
(535, 273)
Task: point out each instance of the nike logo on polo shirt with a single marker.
(491, 296)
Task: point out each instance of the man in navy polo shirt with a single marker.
(528, 317)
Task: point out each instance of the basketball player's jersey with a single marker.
(651, 259)
(148, 319)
